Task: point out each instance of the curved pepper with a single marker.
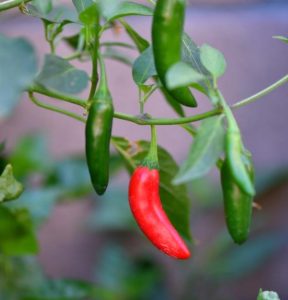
(167, 30)
(98, 134)
(237, 206)
(147, 209)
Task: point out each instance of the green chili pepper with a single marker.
(167, 30)
(98, 134)
(234, 152)
(237, 206)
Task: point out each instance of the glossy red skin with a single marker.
(147, 209)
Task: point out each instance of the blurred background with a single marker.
(94, 239)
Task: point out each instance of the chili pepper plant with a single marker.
(170, 62)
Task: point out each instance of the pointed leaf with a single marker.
(213, 60)
(175, 199)
(81, 5)
(58, 74)
(281, 38)
(205, 150)
(191, 56)
(10, 188)
(128, 8)
(43, 6)
(18, 68)
(181, 74)
(59, 14)
(144, 67)
(16, 232)
(267, 295)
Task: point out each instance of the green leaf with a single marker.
(181, 74)
(281, 38)
(205, 150)
(110, 214)
(191, 56)
(213, 60)
(58, 15)
(58, 74)
(175, 199)
(144, 67)
(39, 202)
(176, 106)
(81, 5)
(138, 40)
(18, 69)
(16, 234)
(28, 156)
(239, 261)
(90, 15)
(10, 188)
(117, 55)
(43, 6)
(128, 9)
(267, 295)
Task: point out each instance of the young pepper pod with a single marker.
(237, 206)
(167, 31)
(146, 207)
(98, 134)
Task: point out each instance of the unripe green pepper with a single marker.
(237, 205)
(167, 31)
(98, 134)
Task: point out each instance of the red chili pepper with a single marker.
(147, 209)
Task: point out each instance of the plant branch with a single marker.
(55, 109)
(144, 120)
(54, 94)
(94, 58)
(11, 4)
(262, 93)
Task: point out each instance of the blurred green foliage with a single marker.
(119, 274)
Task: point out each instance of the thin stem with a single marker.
(55, 109)
(151, 160)
(54, 94)
(74, 55)
(232, 123)
(262, 93)
(11, 3)
(94, 57)
(142, 120)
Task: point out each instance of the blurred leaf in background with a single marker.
(18, 69)
(10, 188)
(129, 277)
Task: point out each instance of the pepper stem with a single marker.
(151, 160)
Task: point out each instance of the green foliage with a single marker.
(213, 60)
(18, 69)
(16, 232)
(267, 295)
(60, 15)
(143, 67)
(124, 9)
(57, 74)
(181, 74)
(175, 199)
(118, 276)
(281, 38)
(10, 188)
(43, 6)
(206, 149)
(27, 156)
